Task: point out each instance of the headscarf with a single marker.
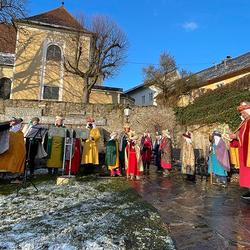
(166, 133)
(244, 106)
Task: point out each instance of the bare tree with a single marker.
(171, 82)
(108, 51)
(11, 10)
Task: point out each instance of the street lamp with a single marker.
(127, 113)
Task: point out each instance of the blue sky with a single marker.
(197, 33)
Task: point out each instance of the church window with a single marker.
(5, 88)
(54, 53)
(50, 93)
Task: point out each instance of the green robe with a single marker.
(111, 153)
(55, 150)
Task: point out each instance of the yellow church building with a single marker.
(32, 60)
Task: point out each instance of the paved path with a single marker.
(200, 216)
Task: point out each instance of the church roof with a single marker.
(56, 17)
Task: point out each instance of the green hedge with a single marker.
(218, 106)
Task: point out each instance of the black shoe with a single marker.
(246, 196)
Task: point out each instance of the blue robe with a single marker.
(217, 169)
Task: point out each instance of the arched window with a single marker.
(54, 53)
(5, 88)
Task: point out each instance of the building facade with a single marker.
(32, 62)
(144, 95)
(228, 71)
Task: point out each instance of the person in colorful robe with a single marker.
(234, 153)
(123, 140)
(72, 165)
(13, 160)
(146, 151)
(242, 134)
(55, 147)
(90, 155)
(157, 152)
(32, 145)
(133, 161)
(219, 163)
(166, 152)
(187, 157)
(112, 155)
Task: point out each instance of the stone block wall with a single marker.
(109, 117)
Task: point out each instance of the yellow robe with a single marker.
(13, 160)
(234, 157)
(90, 153)
(188, 158)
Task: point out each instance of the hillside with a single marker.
(218, 106)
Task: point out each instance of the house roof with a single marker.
(227, 68)
(99, 87)
(138, 87)
(7, 59)
(7, 38)
(57, 17)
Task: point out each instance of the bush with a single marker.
(218, 106)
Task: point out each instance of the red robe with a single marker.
(133, 163)
(244, 153)
(166, 153)
(146, 149)
(76, 160)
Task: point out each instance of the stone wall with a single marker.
(109, 117)
(201, 134)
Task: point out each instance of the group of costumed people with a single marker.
(126, 153)
(223, 155)
(135, 155)
(61, 147)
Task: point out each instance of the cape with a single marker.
(244, 143)
(222, 155)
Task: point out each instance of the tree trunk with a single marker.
(86, 95)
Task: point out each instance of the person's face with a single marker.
(59, 122)
(35, 123)
(90, 125)
(245, 115)
(126, 130)
(12, 123)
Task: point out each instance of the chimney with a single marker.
(226, 60)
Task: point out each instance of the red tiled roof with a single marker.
(59, 16)
(7, 38)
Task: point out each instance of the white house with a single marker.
(145, 95)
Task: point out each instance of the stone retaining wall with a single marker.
(109, 117)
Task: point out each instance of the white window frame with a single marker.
(47, 43)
